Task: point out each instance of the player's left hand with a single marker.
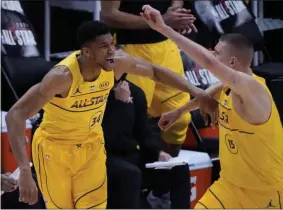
(168, 119)
(163, 156)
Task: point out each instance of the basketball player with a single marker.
(251, 135)
(68, 147)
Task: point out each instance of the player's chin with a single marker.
(108, 66)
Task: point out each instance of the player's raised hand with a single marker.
(153, 18)
(27, 187)
(168, 119)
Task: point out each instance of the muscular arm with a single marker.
(239, 82)
(213, 91)
(160, 74)
(57, 81)
(112, 16)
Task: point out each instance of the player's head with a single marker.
(96, 44)
(234, 50)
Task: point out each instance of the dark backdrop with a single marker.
(65, 22)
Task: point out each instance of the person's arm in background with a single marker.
(112, 16)
(174, 16)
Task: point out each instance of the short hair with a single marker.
(88, 31)
(241, 46)
(237, 40)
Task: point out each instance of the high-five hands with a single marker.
(177, 18)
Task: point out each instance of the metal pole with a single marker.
(255, 11)
(47, 30)
(261, 15)
(96, 11)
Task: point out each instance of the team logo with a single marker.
(231, 144)
(77, 91)
(95, 119)
(104, 85)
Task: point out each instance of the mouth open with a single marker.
(110, 60)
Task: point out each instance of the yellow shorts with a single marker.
(70, 176)
(224, 195)
(161, 98)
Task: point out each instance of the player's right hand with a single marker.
(208, 107)
(27, 188)
(153, 18)
(168, 119)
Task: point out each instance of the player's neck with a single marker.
(246, 70)
(89, 72)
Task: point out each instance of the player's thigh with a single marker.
(220, 196)
(53, 180)
(89, 185)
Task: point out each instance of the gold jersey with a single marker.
(78, 117)
(251, 156)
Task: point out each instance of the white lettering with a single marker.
(203, 76)
(221, 12)
(193, 188)
(12, 6)
(25, 37)
(7, 37)
(230, 7)
(192, 78)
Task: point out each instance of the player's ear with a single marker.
(87, 52)
(233, 61)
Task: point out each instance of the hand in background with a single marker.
(122, 92)
(163, 156)
(8, 184)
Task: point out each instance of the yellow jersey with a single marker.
(251, 156)
(77, 118)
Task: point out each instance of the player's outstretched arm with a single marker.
(237, 81)
(125, 63)
(206, 105)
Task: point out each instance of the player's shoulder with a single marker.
(60, 73)
(58, 77)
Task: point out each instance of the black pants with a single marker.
(175, 181)
(124, 182)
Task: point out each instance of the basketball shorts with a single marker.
(70, 176)
(161, 98)
(224, 195)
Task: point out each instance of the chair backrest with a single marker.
(18, 36)
(229, 16)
